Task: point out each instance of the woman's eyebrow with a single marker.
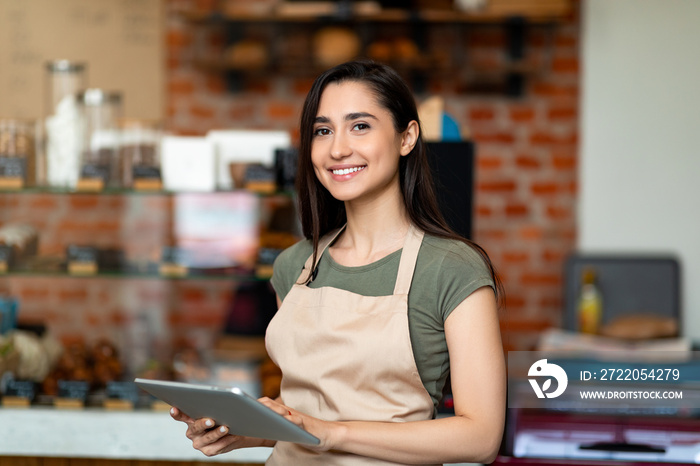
(356, 115)
(348, 117)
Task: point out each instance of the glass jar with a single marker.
(140, 154)
(100, 113)
(58, 165)
(17, 153)
(65, 78)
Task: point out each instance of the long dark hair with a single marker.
(321, 212)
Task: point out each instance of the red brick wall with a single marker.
(524, 206)
(526, 147)
(527, 183)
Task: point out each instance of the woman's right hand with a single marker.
(211, 439)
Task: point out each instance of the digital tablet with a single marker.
(228, 406)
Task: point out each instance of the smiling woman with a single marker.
(355, 148)
(389, 301)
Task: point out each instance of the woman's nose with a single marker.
(340, 147)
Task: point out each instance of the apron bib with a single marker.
(347, 357)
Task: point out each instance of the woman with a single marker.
(382, 301)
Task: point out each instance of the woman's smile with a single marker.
(344, 173)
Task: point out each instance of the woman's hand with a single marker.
(214, 440)
(327, 432)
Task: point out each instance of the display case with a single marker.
(168, 285)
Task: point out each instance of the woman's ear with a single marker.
(409, 137)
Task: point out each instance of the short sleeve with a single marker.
(462, 272)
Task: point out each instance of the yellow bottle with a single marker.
(590, 303)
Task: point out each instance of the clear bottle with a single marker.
(58, 164)
(100, 113)
(17, 153)
(590, 303)
(139, 154)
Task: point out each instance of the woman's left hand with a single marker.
(325, 431)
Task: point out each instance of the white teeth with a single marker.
(347, 171)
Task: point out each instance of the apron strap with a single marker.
(407, 264)
(307, 273)
(409, 255)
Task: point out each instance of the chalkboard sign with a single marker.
(73, 389)
(126, 391)
(13, 172)
(13, 167)
(82, 260)
(5, 258)
(20, 389)
(121, 41)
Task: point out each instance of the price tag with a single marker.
(173, 270)
(172, 263)
(82, 260)
(122, 390)
(148, 184)
(121, 395)
(5, 257)
(263, 271)
(74, 389)
(19, 393)
(260, 179)
(266, 257)
(93, 177)
(147, 178)
(11, 183)
(72, 394)
(90, 184)
(21, 388)
(12, 172)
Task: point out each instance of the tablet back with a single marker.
(229, 406)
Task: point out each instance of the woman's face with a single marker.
(355, 148)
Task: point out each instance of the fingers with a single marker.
(208, 439)
(223, 445)
(216, 441)
(179, 415)
(196, 426)
(204, 427)
(205, 435)
(279, 408)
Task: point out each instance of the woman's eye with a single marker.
(361, 126)
(321, 132)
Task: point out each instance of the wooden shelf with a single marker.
(297, 68)
(534, 11)
(371, 23)
(420, 67)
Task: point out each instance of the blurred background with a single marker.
(147, 166)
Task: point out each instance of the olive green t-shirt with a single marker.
(447, 271)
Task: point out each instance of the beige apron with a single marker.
(347, 357)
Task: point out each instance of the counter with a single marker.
(96, 433)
